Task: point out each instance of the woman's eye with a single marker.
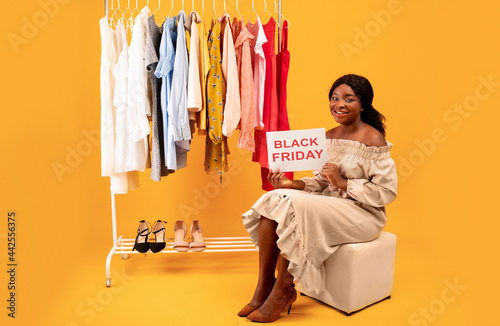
(334, 99)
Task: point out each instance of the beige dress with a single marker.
(313, 222)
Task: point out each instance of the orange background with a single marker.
(424, 58)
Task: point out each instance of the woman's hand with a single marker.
(332, 173)
(279, 180)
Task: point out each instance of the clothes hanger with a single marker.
(253, 11)
(238, 11)
(130, 20)
(265, 8)
(135, 9)
(110, 14)
(276, 25)
(225, 13)
(117, 12)
(171, 10)
(214, 12)
(159, 8)
(280, 15)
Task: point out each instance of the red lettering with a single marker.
(285, 156)
(295, 143)
(302, 142)
(313, 141)
(275, 156)
(277, 144)
(299, 156)
(319, 153)
(310, 154)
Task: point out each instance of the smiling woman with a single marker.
(343, 203)
(351, 99)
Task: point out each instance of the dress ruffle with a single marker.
(340, 147)
(290, 240)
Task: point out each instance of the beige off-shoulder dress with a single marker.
(314, 221)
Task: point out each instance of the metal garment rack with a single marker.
(124, 247)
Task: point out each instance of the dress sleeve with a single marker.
(381, 187)
(316, 184)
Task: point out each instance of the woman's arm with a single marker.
(279, 180)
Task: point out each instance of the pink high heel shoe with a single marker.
(197, 243)
(180, 230)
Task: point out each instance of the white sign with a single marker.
(296, 150)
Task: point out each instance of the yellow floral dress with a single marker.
(216, 142)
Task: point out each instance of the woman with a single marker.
(351, 192)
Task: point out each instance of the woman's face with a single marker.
(345, 106)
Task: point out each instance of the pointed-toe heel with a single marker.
(141, 243)
(259, 316)
(159, 232)
(247, 310)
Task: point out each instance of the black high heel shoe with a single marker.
(159, 232)
(141, 241)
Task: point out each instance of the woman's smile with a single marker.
(340, 113)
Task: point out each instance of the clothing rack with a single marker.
(123, 247)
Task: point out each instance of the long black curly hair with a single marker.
(362, 89)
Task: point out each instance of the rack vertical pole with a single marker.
(113, 215)
(113, 197)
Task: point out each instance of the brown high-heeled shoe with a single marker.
(248, 309)
(260, 317)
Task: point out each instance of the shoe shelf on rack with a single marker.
(124, 247)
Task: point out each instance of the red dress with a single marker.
(275, 115)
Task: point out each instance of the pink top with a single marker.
(244, 60)
(259, 69)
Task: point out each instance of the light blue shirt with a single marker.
(165, 70)
(177, 103)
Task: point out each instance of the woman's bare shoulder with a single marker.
(373, 137)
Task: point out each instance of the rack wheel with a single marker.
(108, 282)
(125, 256)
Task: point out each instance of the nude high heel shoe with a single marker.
(180, 230)
(197, 243)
